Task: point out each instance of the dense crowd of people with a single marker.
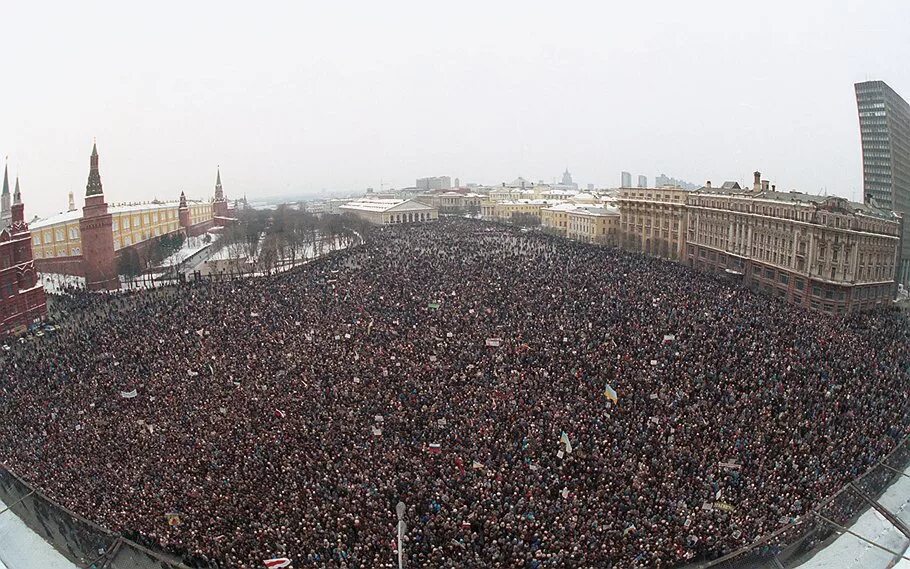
(467, 370)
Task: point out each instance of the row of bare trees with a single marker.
(268, 240)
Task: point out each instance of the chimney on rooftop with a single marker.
(708, 184)
(773, 187)
(765, 184)
(756, 184)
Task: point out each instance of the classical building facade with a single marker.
(389, 211)
(22, 300)
(88, 243)
(589, 222)
(510, 210)
(824, 253)
(452, 201)
(653, 221)
(598, 225)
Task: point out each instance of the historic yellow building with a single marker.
(507, 210)
(58, 235)
(653, 220)
(593, 225)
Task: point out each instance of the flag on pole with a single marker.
(277, 562)
(610, 393)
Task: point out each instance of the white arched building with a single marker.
(382, 211)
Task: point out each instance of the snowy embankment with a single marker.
(21, 548)
(851, 552)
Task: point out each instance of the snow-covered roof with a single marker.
(530, 202)
(68, 216)
(62, 217)
(585, 197)
(596, 211)
(563, 207)
(384, 205)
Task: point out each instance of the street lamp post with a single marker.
(402, 528)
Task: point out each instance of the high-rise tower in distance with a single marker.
(884, 125)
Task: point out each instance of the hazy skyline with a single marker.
(297, 98)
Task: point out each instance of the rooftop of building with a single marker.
(380, 205)
(733, 189)
(67, 216)
(529, 202)
(604, 211)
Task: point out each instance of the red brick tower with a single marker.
(183, 214)
(220, 205)
(23, 301)
(97, 235)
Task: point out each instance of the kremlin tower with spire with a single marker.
(89, 245)
(97, 237)
(22, 299)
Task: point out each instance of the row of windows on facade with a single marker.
(58, 234)
(652, 196)
(123, 223)
(783, 277)
(805, 216)
(878, 267)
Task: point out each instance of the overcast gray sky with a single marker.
(298, 97)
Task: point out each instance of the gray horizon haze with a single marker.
(297, 98)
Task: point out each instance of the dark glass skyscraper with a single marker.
(884, 125)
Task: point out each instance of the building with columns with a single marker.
(88, 243)
(821, 252)
(653, 221)
(390, 211)
(22, 299)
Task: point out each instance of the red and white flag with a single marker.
(277, 562)
(280, 414)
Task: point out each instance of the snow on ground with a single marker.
(21, 548)
(850, 552)
(54, 282)
(190, 247)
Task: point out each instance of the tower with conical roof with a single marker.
(97, 235)
(17, 209)
(24, 301)
(220, 204)
(93, 187)
(183, 214)
(5, 212)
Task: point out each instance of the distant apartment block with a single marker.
(434, 183)
(663, 180)
(626, 180)
(642, 181)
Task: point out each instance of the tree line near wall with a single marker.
(267, 240)
(134, 260)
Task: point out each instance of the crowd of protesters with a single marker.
(467, 370)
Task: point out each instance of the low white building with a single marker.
(388, 211)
